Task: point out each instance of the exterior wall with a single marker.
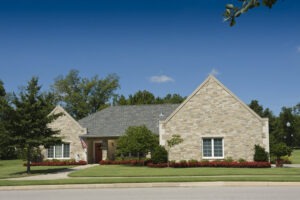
(213, 111)
(70, 131)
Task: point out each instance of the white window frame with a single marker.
(212, 148)
(62, 152)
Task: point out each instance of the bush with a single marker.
(260, 154)
(57, 163)
(159, 155)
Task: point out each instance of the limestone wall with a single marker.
(213, 111)
(70, 131)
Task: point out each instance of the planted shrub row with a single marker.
(232, 164)
(57, 163)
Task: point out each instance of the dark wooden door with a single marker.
(98, 152)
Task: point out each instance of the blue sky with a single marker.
(164, 46)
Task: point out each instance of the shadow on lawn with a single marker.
(43, 171)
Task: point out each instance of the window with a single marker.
(59, 151)
(212, 148)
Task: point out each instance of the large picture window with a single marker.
(212, 148)
(59, 151)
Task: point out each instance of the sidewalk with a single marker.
(58, 175)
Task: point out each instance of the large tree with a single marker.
(83, 96)
(7, 151)
(137, 140)
(146, 97)
(232, 11)
(29, 120)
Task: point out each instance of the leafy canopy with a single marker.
(232, 11)
(82, 96)
(138, 140)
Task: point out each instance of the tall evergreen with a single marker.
(30, 119)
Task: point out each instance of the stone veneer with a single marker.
(70, 131)
(213, 111)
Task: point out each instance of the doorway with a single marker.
(98, 152)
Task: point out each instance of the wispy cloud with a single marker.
(214, 72)
(298, 49)
(161, 79)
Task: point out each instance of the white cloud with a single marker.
(214, 72)
(161, 79)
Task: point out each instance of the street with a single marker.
(164, 193)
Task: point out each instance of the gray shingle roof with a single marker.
(113, 121)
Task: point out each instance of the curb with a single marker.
(149, 185)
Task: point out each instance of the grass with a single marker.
(125, 174)
(128, 171)
(149, 180)
(296, 156)
(15, 168)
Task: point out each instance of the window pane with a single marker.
(218, 147)
(58, 151)
(207, 148)
(66, 150)
(50, 152)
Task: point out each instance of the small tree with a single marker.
(279, 150)
(159, 155)
(137, 140)
(29, 121)
(173, 141)
(260, 154)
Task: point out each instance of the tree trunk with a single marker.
(28, 160)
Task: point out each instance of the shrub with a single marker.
(159, 155)
(242, 160)
(228, 159)
(57, 163)
(260, 154)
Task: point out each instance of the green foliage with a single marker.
(29, 119)
(280, 149)
(260, 154)
(7, 150)
(159, 155)
(174, 140)
(232, 11)
(83, 96)
(138, 140)
(145, 97)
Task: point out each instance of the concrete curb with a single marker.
(149, 185)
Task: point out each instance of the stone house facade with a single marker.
(70, 131)
(214, 124)
(212, 121)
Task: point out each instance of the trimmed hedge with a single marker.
(190, 164)
(57, 163)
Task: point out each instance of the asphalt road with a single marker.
(174, 193)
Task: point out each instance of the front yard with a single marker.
(15, 168)
(129, 171)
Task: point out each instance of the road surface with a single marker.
(173, 193)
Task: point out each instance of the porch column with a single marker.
(104, 149)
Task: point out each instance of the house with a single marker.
(214, 124)
(212, 121)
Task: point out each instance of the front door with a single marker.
(98, 152)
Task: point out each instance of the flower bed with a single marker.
(214, 164)
(57, 163)
(227, 164)
(124, 162)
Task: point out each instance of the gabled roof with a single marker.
(59, 109)
(113, 121)
(211, 77)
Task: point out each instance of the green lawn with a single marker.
(128, 171)
(15, 168)
(296, 156)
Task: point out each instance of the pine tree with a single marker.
(30, 119)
